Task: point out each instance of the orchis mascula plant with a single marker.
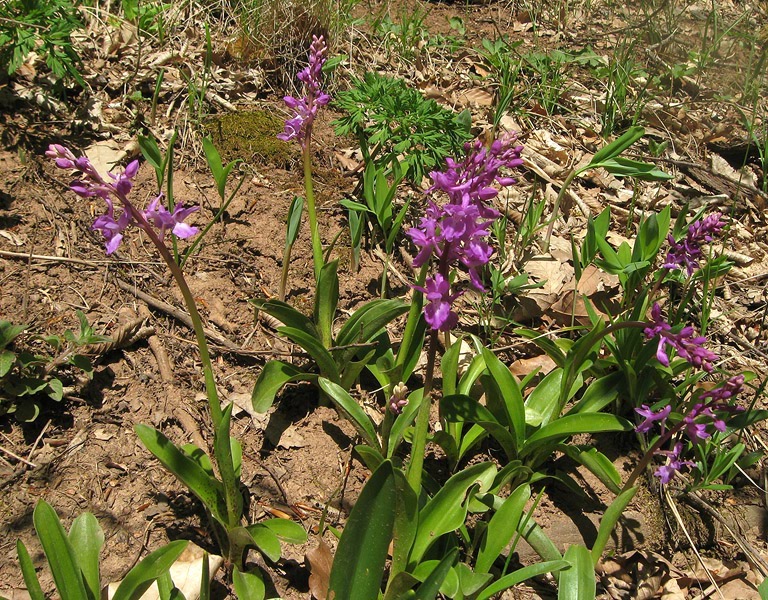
(455, 233)
(220, 496)
(299, 128)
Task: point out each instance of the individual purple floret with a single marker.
(728, 390)
(157, 214)
(666, 472)
(299, 126)
(651, 417)
(687, 345)
(438, 313)
(91, 184)
(687, 252)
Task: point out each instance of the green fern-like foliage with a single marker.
(392, 121)
(45, 26)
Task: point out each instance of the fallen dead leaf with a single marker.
(524, 366)
(320, 562)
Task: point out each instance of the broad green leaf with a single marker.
(461, 408)
(138, 579)
(598, 463)
(406, 523)
(266, 541)
(7, 360)
(501, 528)
(470, 582)
(87, 538)
(28, 572)
(368, 320)
(509, 388)
(249, 585)
(570, 425)
(272, 378)
(544, 400)
(446, 511)
(617, 146)
(449, 366)
(209, 490)
(545, 343)
(538, 540)
(578, 581)
(439, 576)
(288, 531)
(326, 300)
(508, 581)
(372, 458)
(627, 167)
(287, 315)
(599, 394)
(362, 552)
(469, 438)
(608, 522)
(353, 410)
(315, 349)
(61, 556)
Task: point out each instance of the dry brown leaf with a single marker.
(475, 97)
(105, 155)
(524, 366)
(320, 562)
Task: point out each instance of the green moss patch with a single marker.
(251, 136)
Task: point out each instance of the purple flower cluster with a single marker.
(299, 126)
(91, 184)
(694, 423)
(687, 252)
(686, 344)
(456, 232)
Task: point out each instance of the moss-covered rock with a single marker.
(252, 136)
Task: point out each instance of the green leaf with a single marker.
(59, 552)
(368, 320)
(266, 541)
(362, 552)
(501, 528)
(353, 410)
(87, 538)
(287, 315)
(431, 586)
(544, 400)
(578, 581)
(627, 167)
(9, 332)
(406, 523)
(608, 522)
(7, 360)
(294, 220)
(209, 490)
(509, 388)
(288, 531)
(598, 463)
(138, 579)
(315, 349)
(463, 409)
(28, 572)
(508, 581)
(446, 511)
(570, 425)
(56, 389)
(617, 146)
(272, 378)
(326, 299)
(222, 447)
(600, 393)
(249, 585)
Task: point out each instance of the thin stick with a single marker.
(17, 457)
(37, 441)
(64, 259)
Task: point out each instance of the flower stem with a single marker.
(317, 248)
